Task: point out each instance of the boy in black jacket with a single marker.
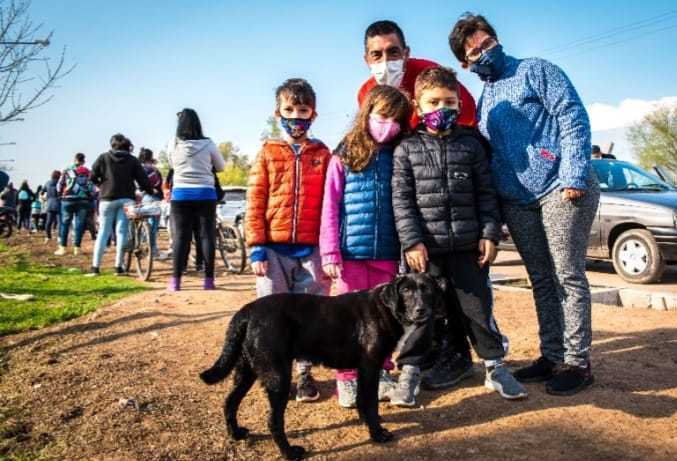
(448, 222)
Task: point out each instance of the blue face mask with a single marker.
(490, 65)
(296, 127)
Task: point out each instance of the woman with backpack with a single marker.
(115, 173)
(76, 189)
(24, 202)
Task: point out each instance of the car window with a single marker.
(234, 196)
(624, 176)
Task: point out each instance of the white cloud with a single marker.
(629, 111)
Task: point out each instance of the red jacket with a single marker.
(284, 198)
(468, 115)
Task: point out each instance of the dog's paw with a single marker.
(295, 452)
(239, 433)
(382, 436)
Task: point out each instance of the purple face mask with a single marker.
(383, 130)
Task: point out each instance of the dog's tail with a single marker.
(232, 349)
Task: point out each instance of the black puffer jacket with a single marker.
(443, 193)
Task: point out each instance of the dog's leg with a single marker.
(244, 379)
(277, 384)
(367, 401)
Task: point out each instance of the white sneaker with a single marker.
(404, 395)
(61, 251)
(347, 393)
(77, 251)
(501, 380)
(386, 386)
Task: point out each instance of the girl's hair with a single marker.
(189, 126)
(120, 142)
(145, 155)
(24, 186)
(359, 145)
(56, 174)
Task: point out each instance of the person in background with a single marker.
(53, 209)
(24, 203)
(36, 210)
(115, 173)
(75, 189)
(597, 153)
(194, 159)
(155, 179)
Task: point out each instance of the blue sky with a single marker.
(139, 62)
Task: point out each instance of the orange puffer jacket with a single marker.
(284, 199)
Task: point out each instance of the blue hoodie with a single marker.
(538, 129)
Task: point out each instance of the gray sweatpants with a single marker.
(293, 275)
(552, 238)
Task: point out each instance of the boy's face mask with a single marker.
(296, 127)
(441, 119)
(383, 130)
(388, 72)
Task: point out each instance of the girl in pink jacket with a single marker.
(358, 239)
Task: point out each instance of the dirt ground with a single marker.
(61, 391)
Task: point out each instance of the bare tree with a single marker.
(26, 74)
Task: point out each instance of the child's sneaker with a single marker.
(61, 251)
(347, 392)
(404, 395)
(119, 271)
(209, 283)
(306, 389)
(501, 380)
(539, 370)
(77, 251)
(386, 386)
(447, 371)
(94, 272)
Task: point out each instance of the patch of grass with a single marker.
(60, 293)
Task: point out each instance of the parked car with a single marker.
(636, 222)
(231, 208)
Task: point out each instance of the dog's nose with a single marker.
(420, 311)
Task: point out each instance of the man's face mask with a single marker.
(388, 72)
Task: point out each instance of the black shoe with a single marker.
(119, 270)
(569, 380)
(306, 389)
(447, 372)
(94, 272)
(540, 370)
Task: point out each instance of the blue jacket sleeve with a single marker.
(560, 99)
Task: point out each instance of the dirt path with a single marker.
(61, 388)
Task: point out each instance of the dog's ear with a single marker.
(390, 294)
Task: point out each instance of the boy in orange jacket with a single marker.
(284, 205)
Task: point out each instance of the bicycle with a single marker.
(138, 238)
(230, 244)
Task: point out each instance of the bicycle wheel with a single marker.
(221, 246)
(131, 243)
(234, 247)
(142, 251)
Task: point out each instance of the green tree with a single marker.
(237, 165)
(163, 162)
(654, 139)
(272, 130)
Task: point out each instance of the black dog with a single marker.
(354, 330)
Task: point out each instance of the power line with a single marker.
(618, 42)
(631, 27)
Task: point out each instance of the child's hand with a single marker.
(260, 268)
(487, 252)
(417, 257)
(333, 271)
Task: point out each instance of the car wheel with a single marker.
(637, 258)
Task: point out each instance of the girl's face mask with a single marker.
(383, 129)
